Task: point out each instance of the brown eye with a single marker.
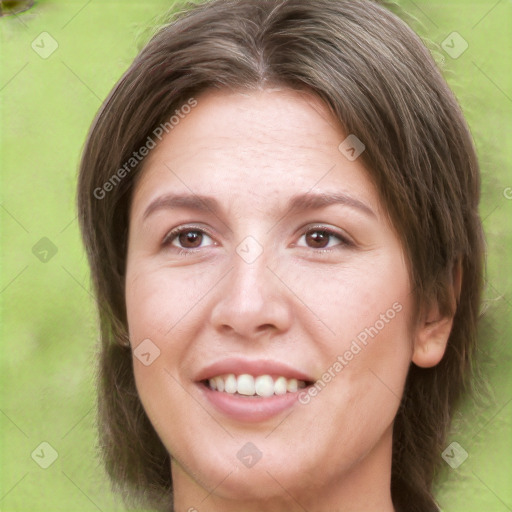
(186, 238)
(318, 239)
(321, 238)
(190, 239)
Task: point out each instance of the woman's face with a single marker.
(261, 262)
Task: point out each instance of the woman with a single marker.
(279, 201)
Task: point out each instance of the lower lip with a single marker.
(247, 408)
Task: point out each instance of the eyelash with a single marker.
(169, 237)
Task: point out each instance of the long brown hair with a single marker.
(376, 76)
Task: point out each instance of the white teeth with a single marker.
(230, 384)
(245, 384)
(291, 385)
(220, 383)
(280, 386)
(263, 385)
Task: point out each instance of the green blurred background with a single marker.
(58, 61)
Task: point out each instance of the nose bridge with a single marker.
(251, 299)
(250, 282)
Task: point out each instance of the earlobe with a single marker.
(435, 327)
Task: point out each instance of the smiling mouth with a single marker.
(261, 386)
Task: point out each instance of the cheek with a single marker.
(358, 395)
(164, 306)
(160, 300)
(345, 300)
(366, 344)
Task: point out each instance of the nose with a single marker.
(252, 301)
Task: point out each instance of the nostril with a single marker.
(14, 6)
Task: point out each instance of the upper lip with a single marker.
(239, 366)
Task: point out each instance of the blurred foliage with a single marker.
(48, 323)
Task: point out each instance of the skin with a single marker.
(301, 302)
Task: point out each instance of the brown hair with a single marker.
(380, 81)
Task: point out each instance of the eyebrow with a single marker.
(297, 203)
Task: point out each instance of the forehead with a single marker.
(268, 143)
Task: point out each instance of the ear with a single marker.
(434, 327)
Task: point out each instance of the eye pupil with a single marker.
(190, 237)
